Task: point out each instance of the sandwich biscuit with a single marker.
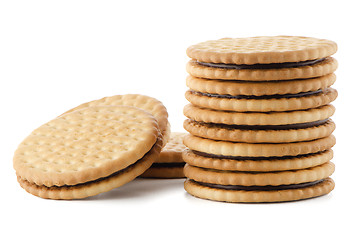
(262, 58)
(87, 151)
(170, 163)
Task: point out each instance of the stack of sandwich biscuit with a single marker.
(259, 119)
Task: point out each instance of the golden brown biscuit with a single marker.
(266, 103)
(149, 104)
(234, 88)
(262, 50)
(256, 118)
(259, 178)
(98, 186)
(260, 186)
(327, 66)
(261, 134)
(87, 145)
(217, 194)
(224, 148)
(256, 164)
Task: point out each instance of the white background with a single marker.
(55, 55)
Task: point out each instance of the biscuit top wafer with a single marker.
(262, 50)
(149, 104)
(85, 145)
(173, 149)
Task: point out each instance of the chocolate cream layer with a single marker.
(168, 165)
(276, 96)
(259, 188)
(241, 158)
(263, 66)
(265, 127)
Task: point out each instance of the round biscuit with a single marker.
(95, 187)
(149, 104)
(262, 50)
(255, 118)
(264, 165)
(325, 67)
(257, 149)
(85, 145)
(281, 104)
(234, 88)
(223, 195)
(230, 133)
(260, 178)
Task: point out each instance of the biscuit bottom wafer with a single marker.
(201, 191)
(94, 187)
(171, 171)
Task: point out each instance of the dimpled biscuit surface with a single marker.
(263, 50)
(149, 104)
(85, 145)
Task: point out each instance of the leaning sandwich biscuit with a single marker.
(87, 151)
(170, 163)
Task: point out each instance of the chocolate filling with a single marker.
(240, 158)
(265, 127)
(262, 66)
(168, 165)
(276, 96)
(259, 188)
